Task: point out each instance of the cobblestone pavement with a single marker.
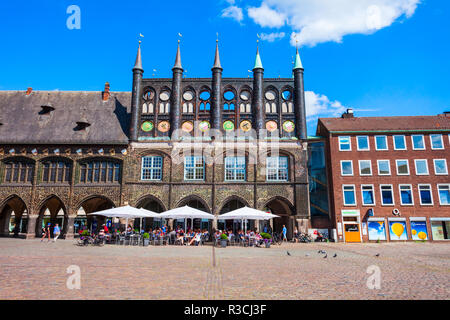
(30, 269)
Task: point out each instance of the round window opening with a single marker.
(205, 95)
(287, 95)
(245, 95)
(270, 95)
(228, 95)
(164, 96)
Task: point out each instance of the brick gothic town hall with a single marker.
(64, 155)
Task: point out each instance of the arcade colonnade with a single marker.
(19, 218)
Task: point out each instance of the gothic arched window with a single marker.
(164, 101)
(205, 101)
(148, 107)
(229, 101)
(271, 100)
(245, 105)
(287, 105)
(188, 101)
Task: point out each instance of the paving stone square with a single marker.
(30, 269)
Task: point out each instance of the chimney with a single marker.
(29, 90)
(348, 114)
(105, 93)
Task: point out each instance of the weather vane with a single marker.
(140, 36)
(179, 35)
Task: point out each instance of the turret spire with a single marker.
(138, 63)
(178, 58)
(217, 57)
(298, 62)
(258, 63)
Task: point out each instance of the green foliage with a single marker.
(223, 236)
(85, 233)
(265, 235)
(146, 236)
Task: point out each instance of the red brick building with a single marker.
(388, 177)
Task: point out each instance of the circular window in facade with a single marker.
(204, 126)
(147, 126)
(205, 95)
(164, 96)
(148, 95)
(270, 95)
(164, 126)
(245, 95)
(187, 126)
(287, 95)
(245, 125)
(288, 126)
(188, 95)
(228, 125)
(228, 95)
(271, 126)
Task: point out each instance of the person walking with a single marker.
(46, 232)
(284, 233)
(56, 232)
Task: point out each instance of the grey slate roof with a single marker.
(23, 121)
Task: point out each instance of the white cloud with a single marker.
(318, 105)
(271, 37)
(234, 13)
(267, 17)
(316, 21)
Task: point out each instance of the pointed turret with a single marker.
(178, 58)
(136, 95)
(258, 63)
(216, 102)
(298, 62)
(138, 63)
(217, 57)
(299, 98)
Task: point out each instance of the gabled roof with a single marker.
(25, 121)
(385, 124)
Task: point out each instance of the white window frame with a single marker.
(152, 168)
(349, 142)
(373, 194)
(194, 167)
(354, 195)
(385, 140)
(423, 140)
(415, 166)
(431, 141)
(392, 192)
(400, 194)
(439, 195)
(446, 167)
(368, 143)
(420, 196)
(389, 166)
(396, 167)
(278, 168)
(234, 168)
(342, 171)
(359, 167)
(404, 142)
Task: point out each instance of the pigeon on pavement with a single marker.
(325, 256)
(377, 255)
(288, 253)
(335, 255)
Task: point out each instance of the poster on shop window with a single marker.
(419, 230)
(397, 230)
(377, 230)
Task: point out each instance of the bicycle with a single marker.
(277, 239)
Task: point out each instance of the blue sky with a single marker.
(398, 65)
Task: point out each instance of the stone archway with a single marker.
(282, 208)
(90, 205)
(153, 204)
(14, 207)
(53, 211)
(196, 203)
(231, 204)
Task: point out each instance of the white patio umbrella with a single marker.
(148, 214)
(127, 212)
(247, 213)
(186, 212)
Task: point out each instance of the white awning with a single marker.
(127, 212)
(247, 213)
(186, 212)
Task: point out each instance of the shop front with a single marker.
(440, 228)
(351, 220)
